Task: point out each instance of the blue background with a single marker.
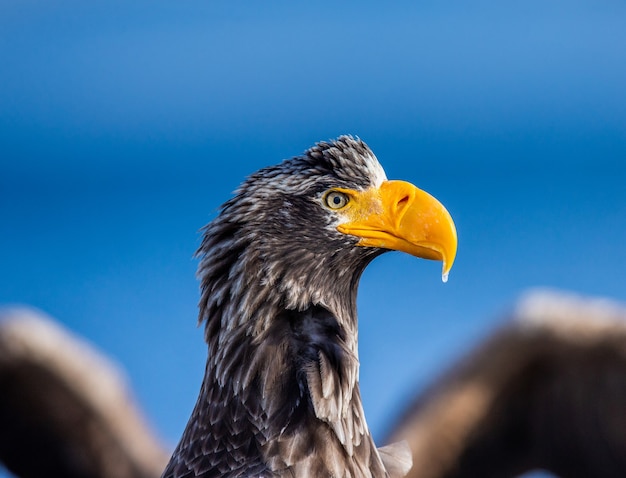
(124, 126)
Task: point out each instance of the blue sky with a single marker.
(124, 127)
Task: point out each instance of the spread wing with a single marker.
(65, 409)
(547, 391)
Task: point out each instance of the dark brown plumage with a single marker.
(65, 409)
(279, 269)
(546, 391)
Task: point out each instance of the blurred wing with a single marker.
(64, 408)
(547, 391)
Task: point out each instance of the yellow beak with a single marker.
(399, 216)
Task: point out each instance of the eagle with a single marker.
(279, 269)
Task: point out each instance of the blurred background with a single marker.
(124, 126)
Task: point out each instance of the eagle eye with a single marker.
(336, 199)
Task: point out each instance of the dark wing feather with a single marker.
(548, 391)
(65, 409)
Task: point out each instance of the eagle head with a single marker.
(279, 269)
(303, 231)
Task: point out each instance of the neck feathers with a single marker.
(280, 395)
(283, 400)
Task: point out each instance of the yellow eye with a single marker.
(336, 199)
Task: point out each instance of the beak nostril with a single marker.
(402, 202)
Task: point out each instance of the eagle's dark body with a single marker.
(280, 396)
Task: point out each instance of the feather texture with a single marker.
(280, 395)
